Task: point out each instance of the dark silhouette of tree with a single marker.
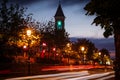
(89, 47)
(104, 52)
(108, 17)
(11, 22)
(47, 32)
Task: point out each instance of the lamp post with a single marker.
(100, 59)
(69, 51)
(29, 41)
(83, 49)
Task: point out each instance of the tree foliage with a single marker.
(107, 14)
(88, 45)
(105, 52)
(13, 23)
(11, 20)
(108, 17)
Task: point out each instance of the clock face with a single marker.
(59, 24)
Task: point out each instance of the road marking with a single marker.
(51, 75)
(107, 77)
(92, 76)
(82, 75)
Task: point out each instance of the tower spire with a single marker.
(59, 1)
(59, 11)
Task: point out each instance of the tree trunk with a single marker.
(117, 53)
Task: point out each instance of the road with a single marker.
(76, 75)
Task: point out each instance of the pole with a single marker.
(29, 64)
(29, 72)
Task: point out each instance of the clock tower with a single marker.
(59, 19)
(60, 34)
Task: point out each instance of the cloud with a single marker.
(52, 2)
(24, 2)
(71, 2)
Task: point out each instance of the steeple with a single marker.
(60, 33)
(59, 12)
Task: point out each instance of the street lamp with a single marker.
(99, 56)
(29, 41)
(84, 56)
(68, 51)
(82, 48)
(99, 53)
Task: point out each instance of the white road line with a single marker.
(50, 75)
(64, 77)
(107, 77)
(90, 76)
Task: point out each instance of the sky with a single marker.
(77, 24)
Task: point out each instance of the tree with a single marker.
(108, 17)
(47, 31)
(88, 45)
(11, 22)
(105, 52)
(105, 56)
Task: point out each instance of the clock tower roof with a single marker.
(59, 12)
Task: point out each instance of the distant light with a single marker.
(24, 47)
(57, 54)
(108, 62)
(44, 44)
(28, 32)
(82, 48)
(99, 53)
(54, 49)
(43, 51)
(68, 44)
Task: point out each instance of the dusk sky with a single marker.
(77, 24)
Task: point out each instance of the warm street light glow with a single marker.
(99, 53)
(29, 42)
(24, 47)
(82, 48)
(28, 32)
(68, 44)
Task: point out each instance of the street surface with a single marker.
(68, 72)
(81, 75)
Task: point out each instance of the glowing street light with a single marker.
(29, 32)
(24, 47)
(99, 53)
(29, 41)
(83, 52)
(82, 48)
(68, 44)
(68, 51)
